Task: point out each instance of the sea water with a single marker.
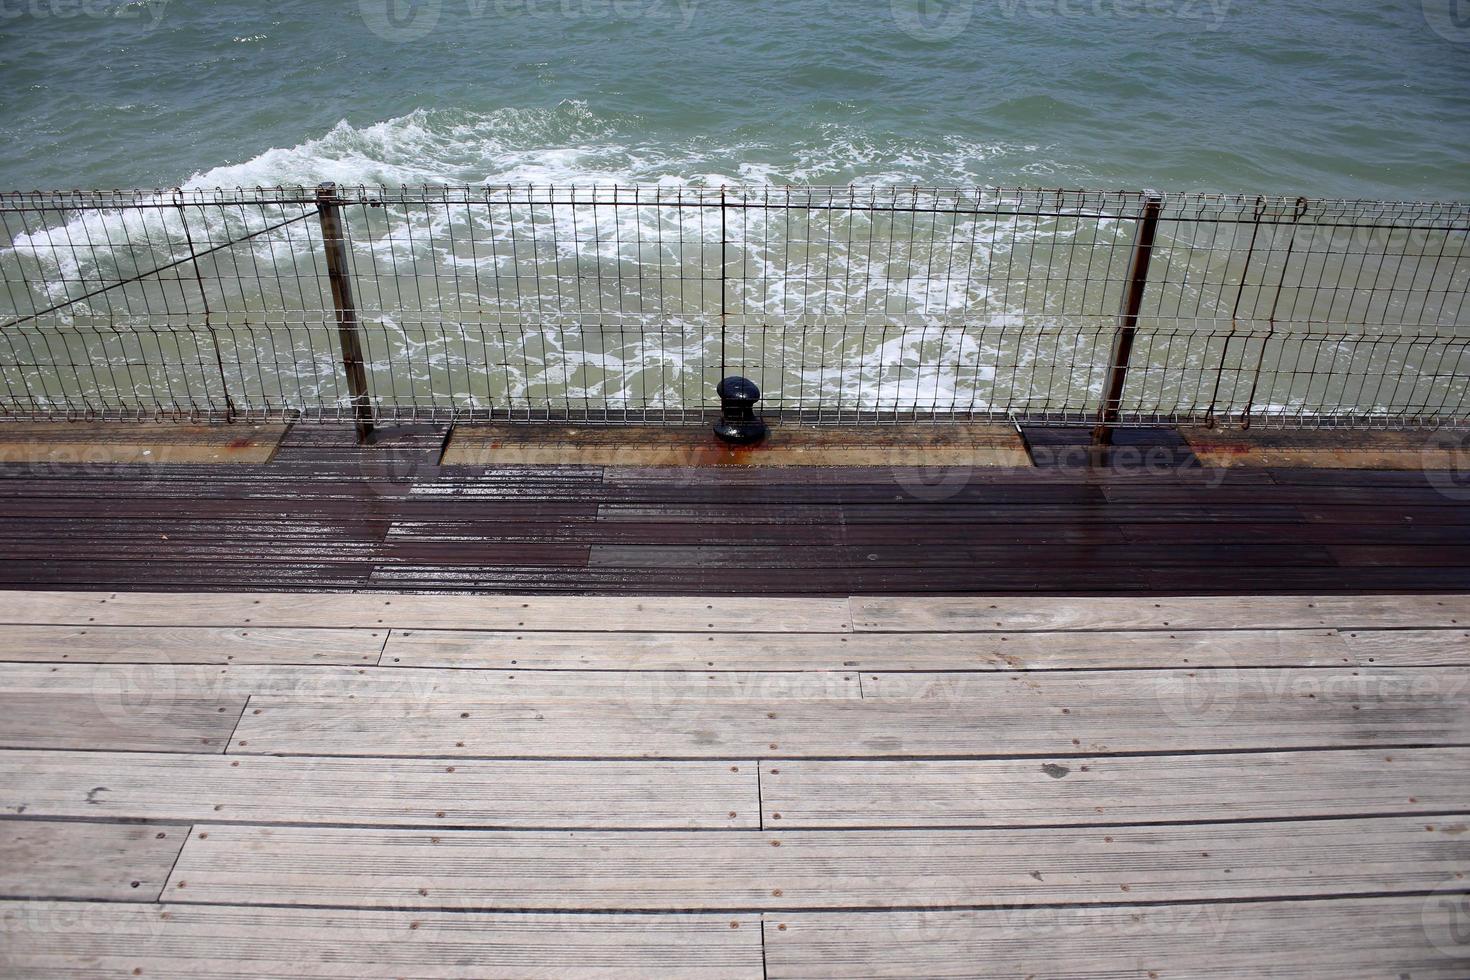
(1353, 99)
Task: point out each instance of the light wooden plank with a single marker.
(738, 869)
(189, 645)
(914, 651)
(1035, 713)
(1350, 939)
(1110, 790)
(132, 442)
(669, 795)
(117, 862)
(181, 941)
(1194, 697)
(1445, 647)
(121, 684)
(602, 614)
(964, 444)
(150, 722)
(1004, 613)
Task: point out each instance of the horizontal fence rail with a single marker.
(629, 304)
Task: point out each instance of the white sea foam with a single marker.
(436, 306)
(571, 144)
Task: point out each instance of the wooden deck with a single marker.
(325, 513)
(283, 784)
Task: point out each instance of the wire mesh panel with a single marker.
(615, 304)
(1296, 312)
(892, 304)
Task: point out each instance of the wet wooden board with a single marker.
(114, 686)
(926, 651)
(146, 720)
(94, 443)
(1112, 790)
(91, 940)
(1367, 450)
(117, 862)
(765, 870)
(288, 609)
(1037, 713)
(326, 513)
(965, 444)
(384, 792)
(1159, 613)
(189, 645)
(1353, 938)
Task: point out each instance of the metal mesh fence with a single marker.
(614, 304)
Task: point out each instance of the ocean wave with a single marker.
(571, 143)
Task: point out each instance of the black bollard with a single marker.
(738, 423)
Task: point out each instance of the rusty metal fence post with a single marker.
(353, 366)
(1135, 282)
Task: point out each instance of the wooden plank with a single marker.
(388, 792)
(1368, 450)
(944, 561)
(1038, 713)
(147, 721)
(287, 609)
(1001, 613)
(1352, 939)
(921, 651)
(227, 943)
(117, 862)
(1111, 790)
(189, 645)
(131, 442)
(1444, 647)
(964, 444)
(740, 869)
(120, 684)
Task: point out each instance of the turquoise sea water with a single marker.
(1352, 98)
